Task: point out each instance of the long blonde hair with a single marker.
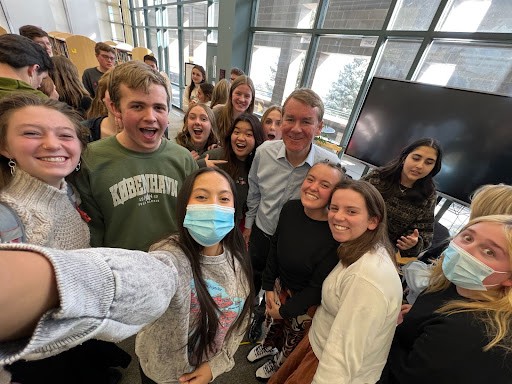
(225, 117)
(491, 200)
(493, 307)
(98, 107)
(67, 81)
(220, 93)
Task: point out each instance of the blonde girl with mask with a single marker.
(460, 329)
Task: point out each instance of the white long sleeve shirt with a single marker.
(353, 328)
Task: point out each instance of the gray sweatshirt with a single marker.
(162, 346)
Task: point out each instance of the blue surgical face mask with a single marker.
(465, 270)
(209, 223)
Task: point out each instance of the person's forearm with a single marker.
(27, 290)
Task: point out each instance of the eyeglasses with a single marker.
(107, 57)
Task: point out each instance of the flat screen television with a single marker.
(474, 129)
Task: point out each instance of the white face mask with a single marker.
(464, 270)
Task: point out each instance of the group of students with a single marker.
(177, 271)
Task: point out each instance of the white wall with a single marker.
(35, 12)
(84, 17)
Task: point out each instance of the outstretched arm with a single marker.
(58, 299)
(27, 290)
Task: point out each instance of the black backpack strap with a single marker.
(11, 227)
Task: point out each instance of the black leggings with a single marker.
(259, 245)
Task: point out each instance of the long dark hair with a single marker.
(201, 340)
(192, 84)
(351, 251)
(231, 167)
(423, 188)
(67, 82)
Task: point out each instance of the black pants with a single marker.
(259, 245)
(86, 363)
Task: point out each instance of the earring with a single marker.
(12, 165)
(78, 165)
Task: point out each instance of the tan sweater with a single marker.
(48, 215)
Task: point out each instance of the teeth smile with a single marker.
(313, 197)
(340, 228)
(53, 159)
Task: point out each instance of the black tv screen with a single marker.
(474, 129)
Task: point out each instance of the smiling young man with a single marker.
(130, 181)
(106, 56)
(277, 172)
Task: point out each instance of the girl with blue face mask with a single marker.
(192, 292)
(460, 329)
(206, 319)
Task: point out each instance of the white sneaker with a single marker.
(266, 371)
(259, 352)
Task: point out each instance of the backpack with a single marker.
(11, 227)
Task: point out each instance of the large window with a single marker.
(338, 71)
(177, 32)
(362, 14)
(397, 58)
(477, 16)
(414, 15)
(277, 62)
(335, 48)
(484, 67)
(285, 13)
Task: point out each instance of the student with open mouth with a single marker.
(198, 132)
(236, 155)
